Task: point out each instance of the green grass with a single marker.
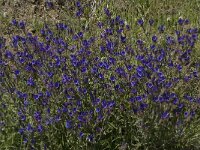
(163, 11)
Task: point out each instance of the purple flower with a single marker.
(139, 98)
(165, 115)
(30, 82)
(57, 85)
(149, 85)
(80, 34)
(187, 21)
(81, 134)
(14, 22)
(121, 22)
(68, 124)
(186, 114)
(21, 131)
(39, 128)
(140, 22)
(90, 138)
(78, 4)
(29, 128)
(154, 38)
(127, 27)
(195, 73)
(107, 12)
(49, 4)
(161, 28)
(192, 113)
(79, 13)
(177, 32)
(112, 78)
(25, 140)
(100, 24)
(8, 54)
(50, 74)
(180, 21)
(21, 24)
(151, 22)
(123, 39)
(179, 67)
(37, 116)
(17, 72)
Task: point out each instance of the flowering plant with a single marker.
(69, 89)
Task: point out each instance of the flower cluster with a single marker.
(85, 83)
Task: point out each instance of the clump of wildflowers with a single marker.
(88, 87)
